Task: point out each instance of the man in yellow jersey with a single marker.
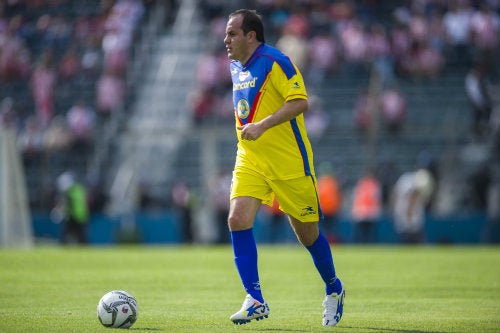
(274, 159)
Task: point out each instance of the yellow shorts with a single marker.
(297, 197)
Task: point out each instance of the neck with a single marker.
(251, 51)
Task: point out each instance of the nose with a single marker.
(227, 40)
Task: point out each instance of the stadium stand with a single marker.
(147, 136)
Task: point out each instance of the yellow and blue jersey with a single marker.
(260, 87)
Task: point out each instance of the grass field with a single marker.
(195, 289)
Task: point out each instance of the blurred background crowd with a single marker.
(412, 86)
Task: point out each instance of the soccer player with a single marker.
(274, 159)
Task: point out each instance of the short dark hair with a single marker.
(252, 21)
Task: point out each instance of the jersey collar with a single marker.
(253, 56)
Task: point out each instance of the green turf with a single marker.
(195, 289)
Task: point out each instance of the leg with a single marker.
(242, 213)
(307, 232)
(316, 243)
(319, 248)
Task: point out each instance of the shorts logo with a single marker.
(308, 210)
(243, 109)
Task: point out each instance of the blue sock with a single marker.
(322, 258)
(245, 258)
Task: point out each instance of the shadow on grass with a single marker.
(355, 329)
(145, 329)
(283, 330)
(376, 329)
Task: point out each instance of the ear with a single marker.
(252, 35)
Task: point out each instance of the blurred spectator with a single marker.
(485, 31)
(110, 93)
(87, 27)
(354, 43)
(224, 107)
(183, 203)
(418, 26)
(120, 26)
(220, 192)
(71, 209)
(422, 61)
(478, 180)
(43, 83)
(9, 117)
(379, 52)
(491, 229)
(363, 111)
(436, 33)
(495, 130)
(324, 56)
(211, 70)
(58, 32)
(330, 198)
(456, 25)
(387, 174)
(97, 195)
(410, 197)
(316, 119)
(202, 103)
(92, 58)
(293, 41)
(218, 30)
(57, 136)
(393, 106)
(115, 45)
(319, 17)
(70, 64)
(479, 98)
(30, 140)
(81, 121)
(366, 208)
(400, 46)
(14, 55)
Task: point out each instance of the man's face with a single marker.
(235, 40)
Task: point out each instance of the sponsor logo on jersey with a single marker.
(243, 76)
(243, 109)
(245, 85)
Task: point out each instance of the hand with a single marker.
(251, 131)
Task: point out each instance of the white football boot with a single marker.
(250, 310)
(334, 307)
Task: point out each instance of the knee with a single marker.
(236, 222)
(308, 240)
(307, 233)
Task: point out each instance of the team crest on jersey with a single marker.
(243, 75)
(243, 109)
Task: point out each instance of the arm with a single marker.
(289, 110)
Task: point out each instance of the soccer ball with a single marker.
(117, 309)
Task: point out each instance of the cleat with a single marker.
(334, 307)
(250, 310)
